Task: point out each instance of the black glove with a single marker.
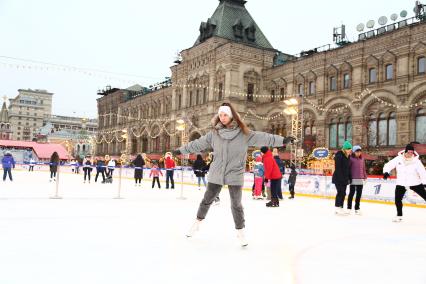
(386, 176)
(176, 152)
(289, 139)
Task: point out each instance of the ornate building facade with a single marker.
(372, 91)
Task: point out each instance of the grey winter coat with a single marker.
(230, 151)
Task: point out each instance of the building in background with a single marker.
(5, 129)
(232, 60)
(27, 113)
(75, 133)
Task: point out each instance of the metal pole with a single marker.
(56, 196)
(119, 183)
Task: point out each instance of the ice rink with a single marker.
(89, 237)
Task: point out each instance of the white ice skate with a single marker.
(241, 238)
(195, 227)
(358, 212)
(341, 212)
(397, 219)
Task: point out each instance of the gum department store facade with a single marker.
(232, 56)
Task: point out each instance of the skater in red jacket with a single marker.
(272, 173)
(170, 168)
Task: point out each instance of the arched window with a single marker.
(382, 131)
(392, 129)
(372, 131)
(340, 131)
(420, 126)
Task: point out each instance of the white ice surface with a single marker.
(89, 237)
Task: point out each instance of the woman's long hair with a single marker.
(139, 158)
(54, 157)
(236, 117)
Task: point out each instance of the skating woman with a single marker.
(199, 167)
(411, 174)
(358, 177)
(138, 163)
(54, 162)
(341, 176)
(229, 139)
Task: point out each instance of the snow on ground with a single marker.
(89, 237)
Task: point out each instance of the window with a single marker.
(372, 75)
(272, 96)
(382, 130)
(389, 72)
(197, 98)
(420, 126)
(190, 98)
(250, 92)
(333, 134)
(204, 97)
(346, 81)
(220, 91)
(421, 65)
(300, 89)
(333, 84)
(340, 130)
(312, 88)
(179, 101)
(282, 94)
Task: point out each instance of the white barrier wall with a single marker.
(374, 189)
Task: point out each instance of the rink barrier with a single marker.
(327, 195)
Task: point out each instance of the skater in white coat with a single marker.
(411, 174)
(229, 139)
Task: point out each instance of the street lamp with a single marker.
(181, 127)
(292, 109)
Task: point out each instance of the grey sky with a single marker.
(141, 37)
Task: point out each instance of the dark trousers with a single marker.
(169, 175)
(154, 179)
(87, 173)
(400, 192)
(291, 189)
(100, 172)
(110, 172)
(358, 190)
(212, 192)
(340, 196)
(52, 174)
(138, 180)
(276, 188)
(31, 169)
(7, 171)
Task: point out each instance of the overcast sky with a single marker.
(141, 37)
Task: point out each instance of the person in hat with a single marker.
(8, 163)
(358, 178)
(229, 139)
(170, 166)
(341, 176)
(411, 174)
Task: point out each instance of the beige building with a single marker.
(27, 112)
(232, 60)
